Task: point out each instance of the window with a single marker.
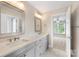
(59, 24)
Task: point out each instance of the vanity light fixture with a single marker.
(37, 15)
(17, 4)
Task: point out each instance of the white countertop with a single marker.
(7, 49)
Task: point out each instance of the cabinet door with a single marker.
(30, 53)
(68, 31)
(38, 48)
(75, 18)
(21, 55)
(75, 41)
(44, 45)
(41, 46)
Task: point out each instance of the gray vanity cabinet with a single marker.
(24, 51)
(41, 47)
(38, 48)
(34, 49)
(21, 54)
(27, 53)
(44, 45)
(30, 53)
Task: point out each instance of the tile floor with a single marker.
(54, 53)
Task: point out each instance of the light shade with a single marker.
(37, 15)
(17, 4)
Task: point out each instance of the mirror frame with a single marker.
(37, 23)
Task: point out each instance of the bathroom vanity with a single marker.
(33, 47)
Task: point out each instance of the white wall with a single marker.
(29, 19)
(54, 41)
(46, 27)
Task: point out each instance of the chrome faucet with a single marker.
(10, 40)
(17, 38)
(14, 39)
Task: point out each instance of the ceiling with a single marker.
(45, 6)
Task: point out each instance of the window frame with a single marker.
(57, 16)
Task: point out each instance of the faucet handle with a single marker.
(16, 38)
(10, 40)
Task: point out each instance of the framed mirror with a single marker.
(11, 19)
(38, 24)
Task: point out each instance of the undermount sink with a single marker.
(7, 43)
(24, 40)
(16, 43)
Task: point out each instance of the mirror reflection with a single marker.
(11, 20)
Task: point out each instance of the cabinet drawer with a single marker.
(37, 51)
